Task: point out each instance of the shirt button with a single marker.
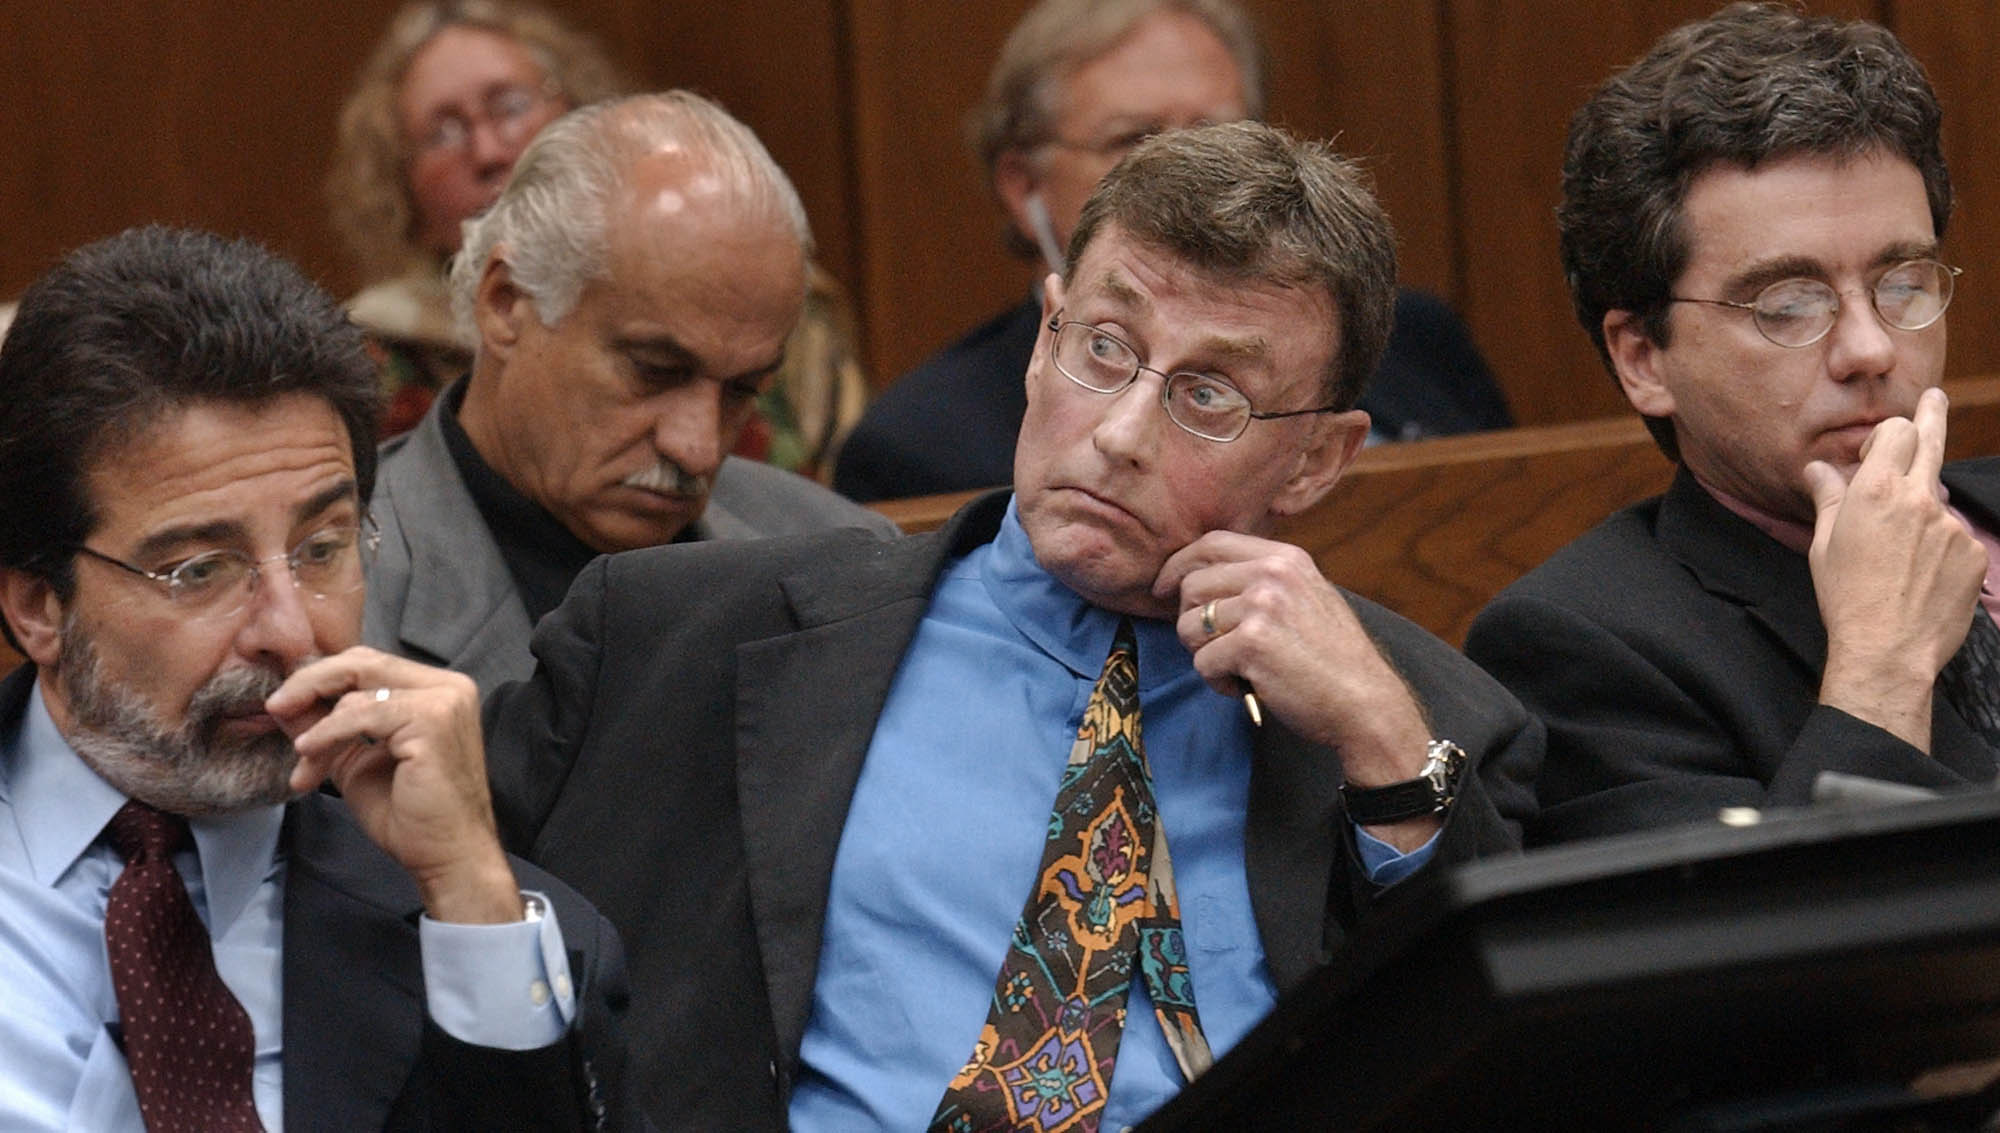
(538, 993)
(562, 986)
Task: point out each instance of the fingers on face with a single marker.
(361, 667)
(359, 718)
(1929, 426)
(1825, 484)
(1214, 549)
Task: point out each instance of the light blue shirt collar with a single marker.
(62, 805)
(1061, 623)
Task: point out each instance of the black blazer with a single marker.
(359, 1049)
(687, 751)
(1675, 652)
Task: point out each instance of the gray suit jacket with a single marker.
(440, 591)
(698, 795)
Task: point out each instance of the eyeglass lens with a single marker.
(1101, 361)
(327, 564)
(1798, 312)
(506, 109)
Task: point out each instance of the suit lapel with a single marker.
(1732, 559)
(1975, 490)
(353, 980)
(801, 737)
(461, 604)
(1289, 851)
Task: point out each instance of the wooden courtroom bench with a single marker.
(1433, 529)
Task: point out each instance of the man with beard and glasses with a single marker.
(631, 292)
(191, 937)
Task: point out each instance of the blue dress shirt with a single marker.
(944, 839)
(60, 1067)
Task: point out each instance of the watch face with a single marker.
(1431, 792)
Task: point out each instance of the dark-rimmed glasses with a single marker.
(1799, 312)
(1202, 404)
(328, 563)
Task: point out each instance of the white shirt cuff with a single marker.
(504, 986)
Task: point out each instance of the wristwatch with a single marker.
(1431, 792)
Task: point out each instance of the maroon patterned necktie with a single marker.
(188, 1042)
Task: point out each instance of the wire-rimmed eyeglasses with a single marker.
(1799, 312)
(509, 109)
(1202, 404)
(328, 563)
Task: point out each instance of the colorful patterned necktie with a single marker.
(1104, 899)
(1970, 681)
(188, 1042)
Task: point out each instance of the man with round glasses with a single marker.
(835, 771)
(1751, 222)
(1206, 405)
(1076, 86)
(197, 938)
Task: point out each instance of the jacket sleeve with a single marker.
(578, 1082)
(1647, 727)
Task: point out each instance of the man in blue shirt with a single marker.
(811, 779)
(186, 439)
(1077, 84)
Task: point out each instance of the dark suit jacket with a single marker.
(1675, 654)
(687, 751)
(360, 1051)
(950, 424)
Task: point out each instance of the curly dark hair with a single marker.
(1752, 83)
(134, 326)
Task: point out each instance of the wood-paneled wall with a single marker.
(220, 114)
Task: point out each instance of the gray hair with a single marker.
(1247, 202)
(1057, 37)
(551, 217)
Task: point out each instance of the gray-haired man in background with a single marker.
(631, 292)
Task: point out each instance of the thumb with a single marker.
(1828, 490)
(1827, 486)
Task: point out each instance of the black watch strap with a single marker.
(1431, 792)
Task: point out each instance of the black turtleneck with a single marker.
(543, 556)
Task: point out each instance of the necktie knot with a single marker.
(1121, 667)
(140, 833)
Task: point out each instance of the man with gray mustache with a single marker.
(630, 293)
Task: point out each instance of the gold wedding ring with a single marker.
(1208, 618)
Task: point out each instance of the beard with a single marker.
(192, 769)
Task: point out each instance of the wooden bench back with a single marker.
(1434, 529)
